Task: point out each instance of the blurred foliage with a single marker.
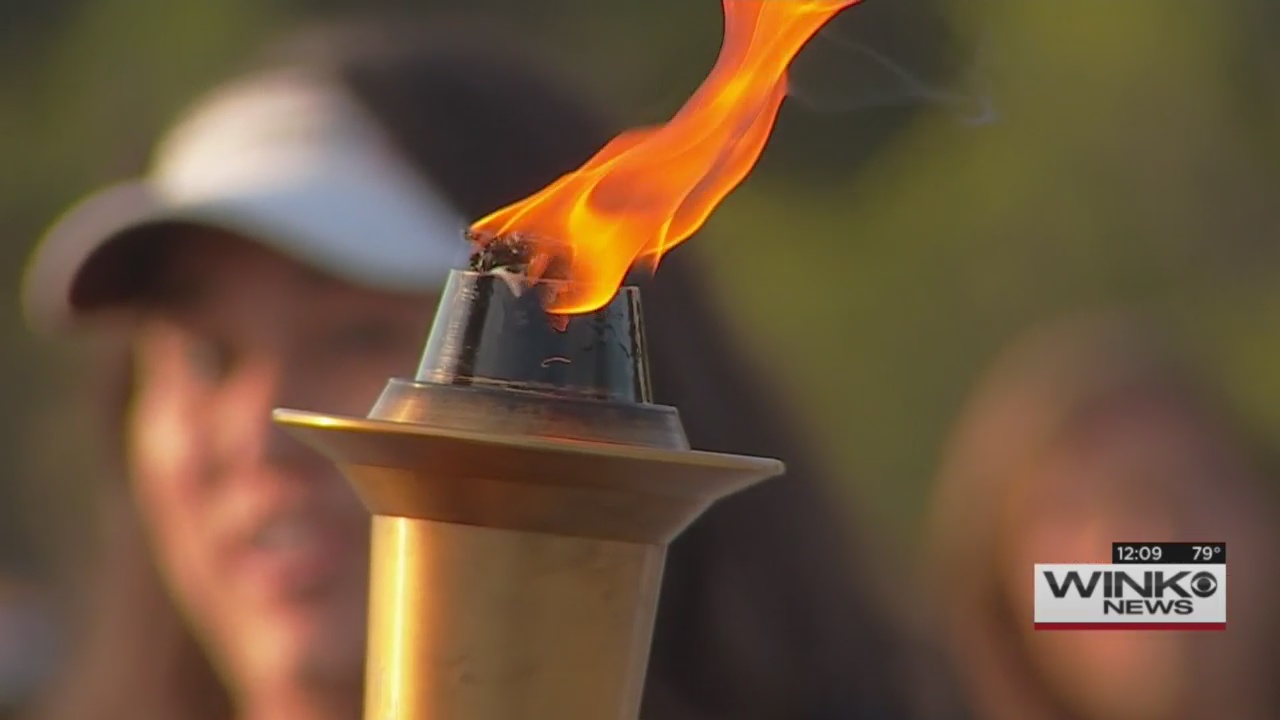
(885, 247)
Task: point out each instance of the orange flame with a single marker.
(651, 188)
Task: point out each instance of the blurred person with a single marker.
(27, 641)
(1086, 433)
(287, 248)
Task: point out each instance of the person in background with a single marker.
(1083, 434)
(27, 641)
(286, 248)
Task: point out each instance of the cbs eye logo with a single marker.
(1204, 584)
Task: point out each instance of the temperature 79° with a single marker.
(1208, 552)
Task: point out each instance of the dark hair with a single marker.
(760, 615)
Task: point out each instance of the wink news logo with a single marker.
(1082, 597)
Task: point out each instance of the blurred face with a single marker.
(262, 542)
(1149, 471)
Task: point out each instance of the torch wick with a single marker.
(517, 253)
(522, 262)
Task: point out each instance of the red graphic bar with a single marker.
(1130, 626)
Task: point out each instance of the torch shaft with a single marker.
(493, 624)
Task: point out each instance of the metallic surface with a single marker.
(519, 531)
(511, 412)
(563, 486)
(506, 624)
(492, 330)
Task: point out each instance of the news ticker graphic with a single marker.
(1146, 586)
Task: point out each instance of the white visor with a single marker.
(285, 159)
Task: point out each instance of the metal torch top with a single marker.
(492, 330)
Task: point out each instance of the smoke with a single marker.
(912, 63)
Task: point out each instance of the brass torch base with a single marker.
(515, 577)
(524, 488)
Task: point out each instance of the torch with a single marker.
(524, 486)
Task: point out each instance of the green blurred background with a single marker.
(885, 247)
